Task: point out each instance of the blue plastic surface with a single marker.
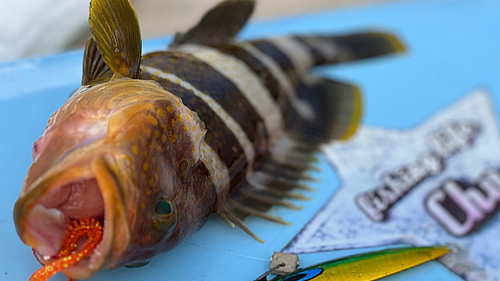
(452, 48)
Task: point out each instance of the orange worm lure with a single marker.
(68, 256)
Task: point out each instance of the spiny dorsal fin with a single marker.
(219, 25)
(115, 30)
(94, 67)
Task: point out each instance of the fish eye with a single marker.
(163, 207)
(164, 216)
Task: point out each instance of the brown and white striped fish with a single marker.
(155, 144)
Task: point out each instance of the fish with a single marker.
(150, 146)
(368, 266)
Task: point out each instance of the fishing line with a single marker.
(229, 253)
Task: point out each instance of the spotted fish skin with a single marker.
(155, 144)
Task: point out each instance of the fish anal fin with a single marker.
(94, 67)
(115, 30)
(337, 108)
(219, 25)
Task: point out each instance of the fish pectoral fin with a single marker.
(95, 70)
(219, 25)
(115, 30)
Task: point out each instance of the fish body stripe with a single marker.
(257, 66)
(301, 58)
(217, 169)
(224, 134)
(209, 81)
(303, 108)
(247, 82)
(319, 58)
(279, 57)
(322, 50)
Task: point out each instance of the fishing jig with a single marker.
(363, 267)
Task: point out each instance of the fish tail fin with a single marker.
(336, 49)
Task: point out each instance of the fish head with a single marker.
(127, 153)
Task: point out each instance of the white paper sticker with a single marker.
(434, 184)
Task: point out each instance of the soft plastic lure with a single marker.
(69, 255)
(368, 266)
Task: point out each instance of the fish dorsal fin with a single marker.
(115, 30)
(94, 67)
(219, 25)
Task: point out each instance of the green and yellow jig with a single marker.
(367, 266)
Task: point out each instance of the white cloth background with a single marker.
(36, 27)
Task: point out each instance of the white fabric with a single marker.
(36, 27)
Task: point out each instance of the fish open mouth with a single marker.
(68, 195)
(73, 192)
(51, 215)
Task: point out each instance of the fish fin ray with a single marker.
(252, 212)
(271, 184)
(219, 25)
(226, 219)
(94, 67)
(115, 30)
(239, 222)
(270, 200)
